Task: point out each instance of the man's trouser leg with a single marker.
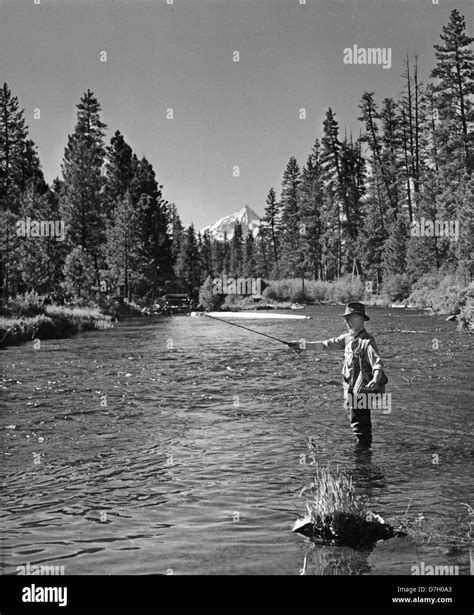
(360, 418)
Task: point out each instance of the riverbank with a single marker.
(32, 316)
(434, 294)
(27, 317)
(56, 322)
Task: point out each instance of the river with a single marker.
(177, 445)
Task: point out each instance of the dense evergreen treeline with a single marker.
(349, 208)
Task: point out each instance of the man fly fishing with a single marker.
(362, 370)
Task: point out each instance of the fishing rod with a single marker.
(247, 329)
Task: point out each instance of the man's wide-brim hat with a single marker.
(354, 307)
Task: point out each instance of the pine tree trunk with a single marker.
(417, 130)
(462, 110)
(407, 167)
(410, 123)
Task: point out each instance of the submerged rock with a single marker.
(347, 529)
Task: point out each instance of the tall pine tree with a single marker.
(292, 259)
(455, 85)
(81, 203)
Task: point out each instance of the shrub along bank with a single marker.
(437, 293)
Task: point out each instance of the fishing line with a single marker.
(234, 324)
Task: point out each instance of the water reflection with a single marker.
(329, 560)
(366, 475)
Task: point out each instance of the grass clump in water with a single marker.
(334, 508)
(334, 495)
(336, 513)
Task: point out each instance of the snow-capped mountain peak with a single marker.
(248, 219)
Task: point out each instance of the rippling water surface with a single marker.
(176, 444)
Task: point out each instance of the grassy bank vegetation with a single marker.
(338, 291)
(28, 317)
(436, 293)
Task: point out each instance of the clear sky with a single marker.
(226, 113)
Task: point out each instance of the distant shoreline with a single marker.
(60, 322)
(464, 317)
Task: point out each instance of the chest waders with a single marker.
(356, 399)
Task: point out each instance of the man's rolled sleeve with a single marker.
(335, 343)
(374, 357)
